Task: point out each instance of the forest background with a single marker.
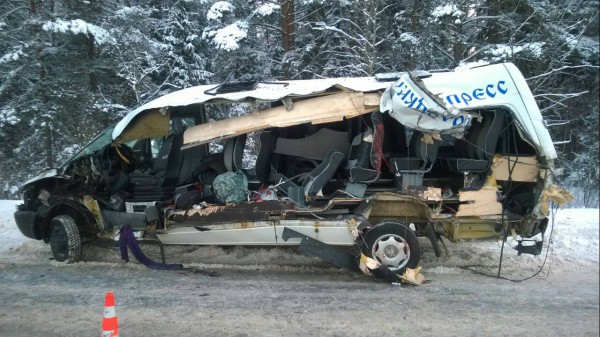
(69, 68)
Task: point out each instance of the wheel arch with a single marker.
(397, 207)
(387, 227)
(83, 217)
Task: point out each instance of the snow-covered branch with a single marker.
(553, 71)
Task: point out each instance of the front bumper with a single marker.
(29, 224)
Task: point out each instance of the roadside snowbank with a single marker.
(573, 247)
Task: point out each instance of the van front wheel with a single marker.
(65, 240)
(394, 245)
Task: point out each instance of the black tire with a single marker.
(65, 240)
(390, 228)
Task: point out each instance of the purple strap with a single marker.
(128, 239)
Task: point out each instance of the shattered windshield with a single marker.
(100, 141)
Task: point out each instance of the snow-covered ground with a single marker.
(573, 246)
(277, 291)
(11, 239)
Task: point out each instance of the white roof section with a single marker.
(499, 85)
(271, 91)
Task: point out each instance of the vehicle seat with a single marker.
(316, 179)
(477, 149)
(233, 153)
(160, 182)
(193, 158)
(315, 146)
(364, 163)
(421, 157)
(264, 160)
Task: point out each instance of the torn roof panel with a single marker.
(499, 85)
(271, 91)
(330, 107)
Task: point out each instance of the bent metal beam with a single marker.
(323, 109)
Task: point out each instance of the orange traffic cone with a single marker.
(110, 325)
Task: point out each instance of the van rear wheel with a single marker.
(65, 240)
(394, 245)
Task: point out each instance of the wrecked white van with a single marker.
(364, 163)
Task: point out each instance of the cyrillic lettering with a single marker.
(466, 98)
(449, 99)
(411, 101)
(398, 93)
(458, 120)
(487, 90)
(502, 90)
(421, 106)
(478, 93)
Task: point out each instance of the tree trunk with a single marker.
(48, 139)
(48, 146)
(287, 12)
(493, 31)
(414, 27)
(457, 46)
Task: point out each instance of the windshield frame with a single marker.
(101, 140)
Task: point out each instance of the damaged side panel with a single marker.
(367, 165)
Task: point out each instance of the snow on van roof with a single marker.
(264, 91)
(498, 85)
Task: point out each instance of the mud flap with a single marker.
(312, 247)
(435, 240)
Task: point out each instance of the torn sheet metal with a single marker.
(323, 109)
(498, 85)
(409, 102)
(371, 267)
(558, 195)
(446, 95)
(264, 91)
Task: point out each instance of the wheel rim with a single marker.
(392, 251)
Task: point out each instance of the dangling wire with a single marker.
(554, 209)
(505, 198)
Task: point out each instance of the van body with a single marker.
(364, 163)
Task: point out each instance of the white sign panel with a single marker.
(409, 102)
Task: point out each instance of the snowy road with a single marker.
(276, 292)
(48, 300)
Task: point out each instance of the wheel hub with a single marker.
(59, 242)
(392, 251)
